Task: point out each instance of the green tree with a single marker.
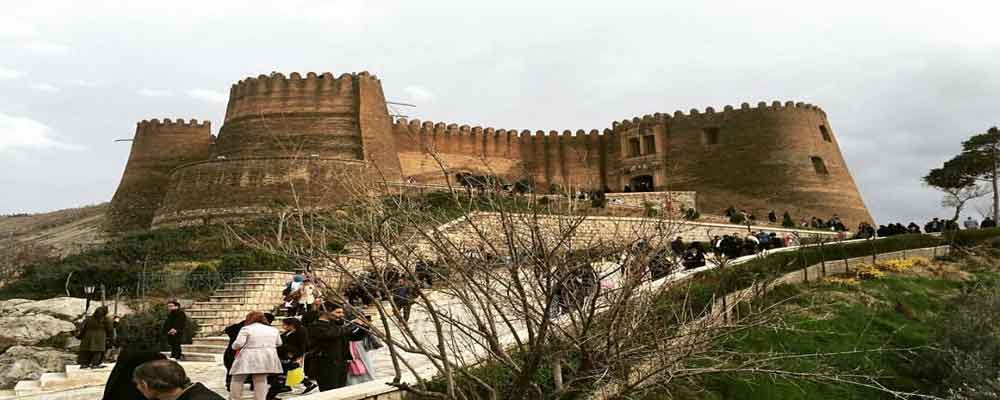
(958, 180)
(978, 161)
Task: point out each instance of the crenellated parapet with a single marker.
(158, 147)
(711, 115)
(278, 94)
(294, 138)
(156, 124)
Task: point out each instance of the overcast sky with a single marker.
(902, 82)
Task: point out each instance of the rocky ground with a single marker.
(36, 336)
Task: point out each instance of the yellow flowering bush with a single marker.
(879, 269)
(868, 271)
(836, 280)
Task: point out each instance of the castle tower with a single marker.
(157, 148)
(783, 157)
(286, 141)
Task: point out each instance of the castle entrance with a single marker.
(641, 183)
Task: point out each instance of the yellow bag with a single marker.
(295, 376)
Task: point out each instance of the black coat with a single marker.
(229, 356)
(198, 391)
(175, 320)
(310, 317)
(96, 332)
(120, 385)
(293, 344)
(330, 339)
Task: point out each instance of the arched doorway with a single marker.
(641, 183)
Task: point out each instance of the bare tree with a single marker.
(525, 286)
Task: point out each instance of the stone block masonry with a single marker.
(300, 140)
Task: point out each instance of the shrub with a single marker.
(254, 260)
(143, 331)
(202, 277)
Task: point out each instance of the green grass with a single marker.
(846, 318)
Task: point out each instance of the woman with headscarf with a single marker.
(95, 332)
(120, 385)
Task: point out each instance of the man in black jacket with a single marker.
(329, 341)
(173, 327)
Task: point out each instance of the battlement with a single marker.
(710, 114)
(429, 128)
(153, 124)
(278, 94)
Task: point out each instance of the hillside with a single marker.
(925, 319)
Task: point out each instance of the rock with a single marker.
(64, 308)
(22, 362)
(31, 329)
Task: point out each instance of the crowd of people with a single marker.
(320, 345)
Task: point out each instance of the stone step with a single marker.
(204, 349)
(199, 357)
(212, 341)
(228, 314)
(227, 306)
(50, 380)
(73, 372)
(27, 388)
(7, 394)
(249, 297)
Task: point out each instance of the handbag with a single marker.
(356, 367)
(295, 376)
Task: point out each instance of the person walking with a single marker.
(307, 296)
(294, 343)
(95, 332)
(329, 353)
(166, 380)
(229, 356)
(173, 327)
(402, 296)
(256, 356)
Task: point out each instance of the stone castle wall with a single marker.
(300, 140)
(157, 148)
(762, 158)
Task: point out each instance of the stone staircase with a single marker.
(255, 291)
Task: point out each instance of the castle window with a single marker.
(633, 147)
(819, 166)
(826, 133)
(649, 144)
(710, 136)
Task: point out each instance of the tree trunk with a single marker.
(557, 377)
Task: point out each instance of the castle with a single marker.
(295, 140)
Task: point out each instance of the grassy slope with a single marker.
(848, 317)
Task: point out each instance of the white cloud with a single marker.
(20, 133)
(47, 48)
(13, 27)
(45, 87)
(419, 93)
(155, 93)
(208, 95)
(9, 73)
(85, 83)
